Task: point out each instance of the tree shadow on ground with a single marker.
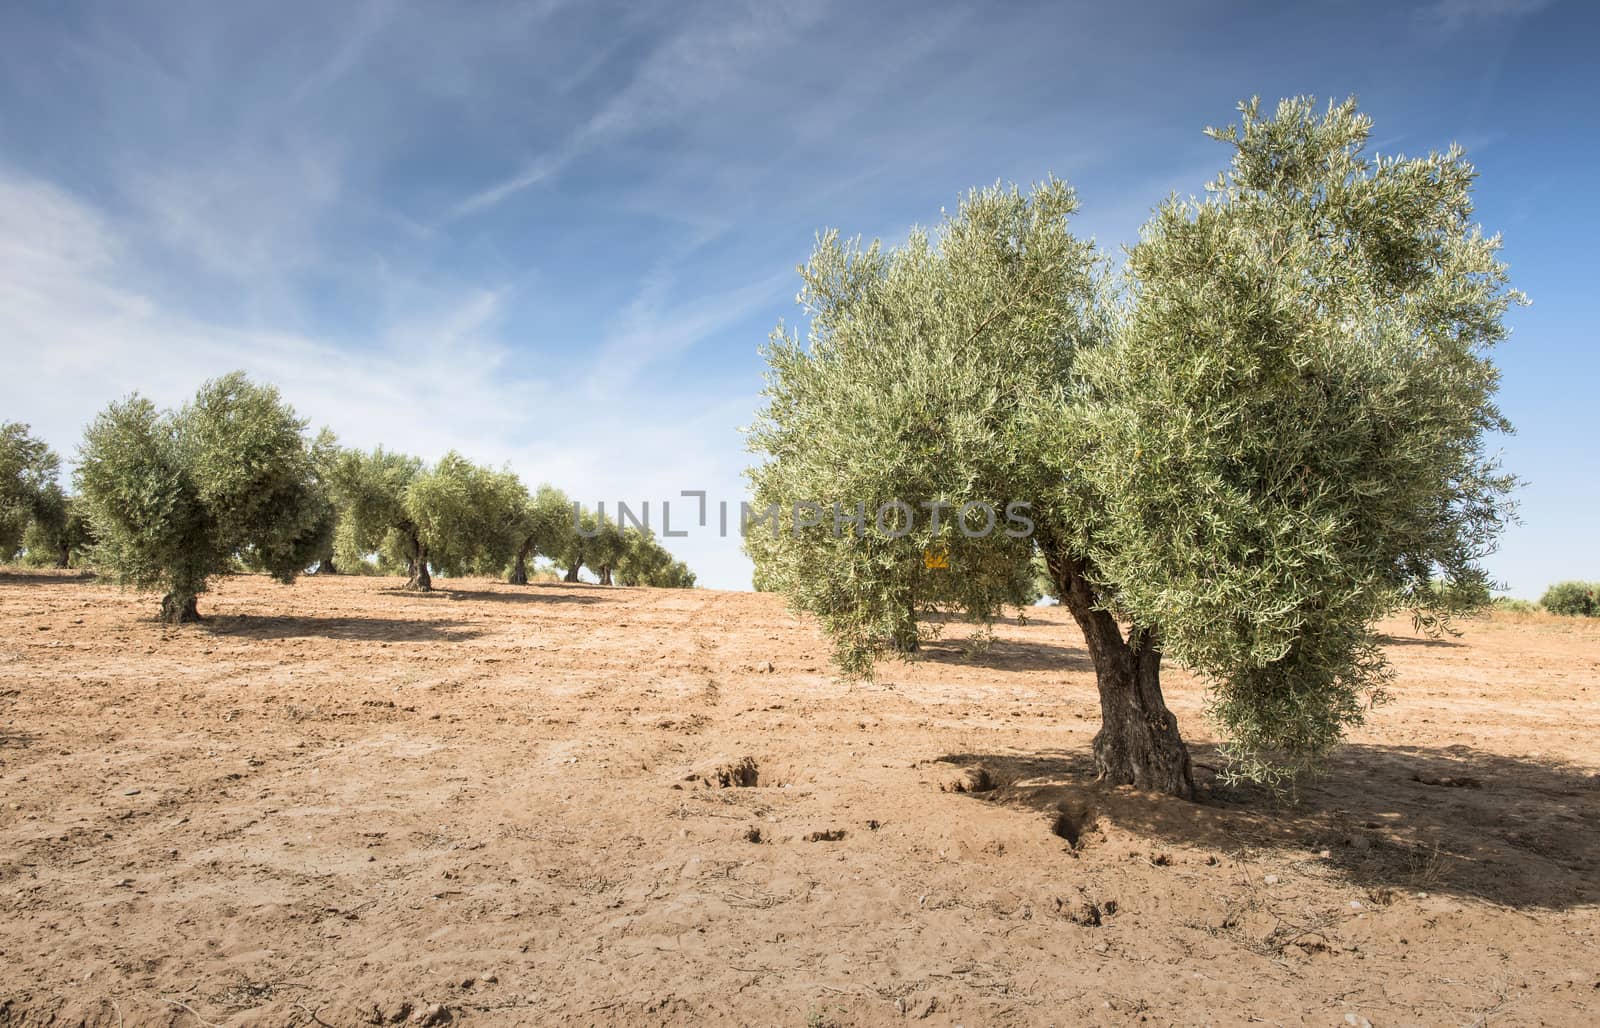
(363, 629)
(1516, 831)
(532, 595)
(1007, 655)
(10, 577)
(1416, 640)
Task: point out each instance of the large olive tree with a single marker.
(172, 497)
(1269, 433)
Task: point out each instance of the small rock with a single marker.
(489, 978)
(1295, 952)
(1357, 1020)
(132, 792)
(1270, 880)
(1326, 854)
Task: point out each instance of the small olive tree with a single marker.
(173, 497)
(1270, 433)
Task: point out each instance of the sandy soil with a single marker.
(339, 803)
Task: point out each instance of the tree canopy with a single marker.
(1265, 432)
(171, 497)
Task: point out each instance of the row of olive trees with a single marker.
(169, 500)
(1265, 431)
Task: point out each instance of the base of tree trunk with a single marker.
(1138, 743)
(178, 610)
(572, 575)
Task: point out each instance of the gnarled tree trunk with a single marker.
(572, 572)
(179, 607)
(519, 570)
(420, 580)
(1138, 743)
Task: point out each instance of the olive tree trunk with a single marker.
(519, 569)
(179, 607)
(420, 580)
(572, 573)
(1138, 743)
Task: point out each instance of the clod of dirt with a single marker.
(752, 835)
(744, 773)
(830, 835)
(972, 779)
(436, 1014)
(398, 1012)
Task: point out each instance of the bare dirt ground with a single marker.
(339, 803)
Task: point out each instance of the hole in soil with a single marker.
(1072, 822)
(742, 774)
(973, 780)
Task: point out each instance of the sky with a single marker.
(554, 235)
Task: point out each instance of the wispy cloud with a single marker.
(703, 60)
(1451, 15)
(440, 377)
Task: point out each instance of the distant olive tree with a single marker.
(370, 491)
(28, 488)
(454, 517)
(173, 497)
(1267, 434)
(572, 546)
(59, 534)
(542, 522)
(645, 561)
(1576, 599)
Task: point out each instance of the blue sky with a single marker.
(554, 234)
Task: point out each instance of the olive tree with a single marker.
(454, 517)
(370, 491)
(644, 561)
(59, 533)
(540, 526)
(572, 545)
(28, 469)
(172, 497)
(1267, 434)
